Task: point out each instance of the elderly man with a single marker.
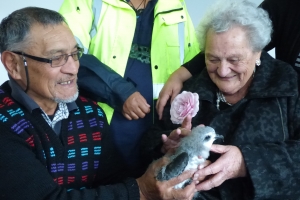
(54, 144)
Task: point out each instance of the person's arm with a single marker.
(174, 84)
(196, 64)
(23, 176)
(100, 83)
(171, 88)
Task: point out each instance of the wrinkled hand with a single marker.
(152, 189)
(175, 136)
(135, 107)
(230, 165)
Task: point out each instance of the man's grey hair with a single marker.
(226, 14)
(15, 28)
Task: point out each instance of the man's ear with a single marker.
(12, 64)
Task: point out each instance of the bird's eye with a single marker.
(207, 138)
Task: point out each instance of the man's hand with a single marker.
(230, 165)
(175, 136)
(135, 107)
(152, 189)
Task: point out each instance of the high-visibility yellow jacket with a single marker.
(106, 30)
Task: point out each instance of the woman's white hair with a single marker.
(226, 14)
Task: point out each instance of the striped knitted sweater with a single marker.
(35, 163)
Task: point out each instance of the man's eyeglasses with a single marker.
(55, 61)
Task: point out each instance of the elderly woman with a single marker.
(252, 100)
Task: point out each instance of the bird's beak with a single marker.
(219, 137)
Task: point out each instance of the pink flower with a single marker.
(184, 104)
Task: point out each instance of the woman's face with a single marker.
(229, 59)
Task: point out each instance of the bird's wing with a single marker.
(174, 168)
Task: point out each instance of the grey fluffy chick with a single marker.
(186, 157)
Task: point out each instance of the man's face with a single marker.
(48, 84)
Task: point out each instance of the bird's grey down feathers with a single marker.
(193, 151)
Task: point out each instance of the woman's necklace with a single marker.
(220, 97)
(137, 9)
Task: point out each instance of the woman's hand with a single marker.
(230, 165)
(175, 136)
